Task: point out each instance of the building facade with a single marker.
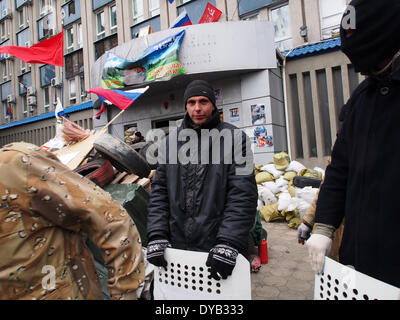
(323, 78)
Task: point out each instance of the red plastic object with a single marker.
(263, 252)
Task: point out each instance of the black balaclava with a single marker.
(377, 33)
(199, 88)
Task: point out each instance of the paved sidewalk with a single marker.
(288, 274)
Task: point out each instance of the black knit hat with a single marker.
(376, 36)
(199, 88)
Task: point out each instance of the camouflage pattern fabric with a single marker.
(46, 212)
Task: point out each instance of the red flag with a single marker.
(211, 14)
(50, 51)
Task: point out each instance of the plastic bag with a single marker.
(306, 193)
(266, 196)
(271, 185)
(295, 166)
(272, 170)
(281, 183)
(284, 201)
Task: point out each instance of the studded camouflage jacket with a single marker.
(46, 213)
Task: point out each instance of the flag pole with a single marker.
(103, 130)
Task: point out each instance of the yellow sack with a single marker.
(289, 175)
(281, 161)
(264, 177)
(257, 169)
(292, 191)
(311, 173)
(295, 222)
(271, 213)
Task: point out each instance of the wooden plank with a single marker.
(119, 177)
(152, 174)
(73, 155)
(144, 182)
(132, 178)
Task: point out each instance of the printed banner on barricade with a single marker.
(159, 61)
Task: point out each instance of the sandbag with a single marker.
(284, 201)
(281, 183)
(266, 195)
(322, 171)
(289, 175)
(310, 173)
(272, 170)
(307, 194)
(271, 213)
(264, 177)
(271, 185)
(281, 161)
(292, 191)
(295, 222)
(295, 166)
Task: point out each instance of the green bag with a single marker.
(134, 198)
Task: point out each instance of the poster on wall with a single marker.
(234, 114)
(262, 139)
(258, 114)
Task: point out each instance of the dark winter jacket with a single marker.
(361, 183)
(196, 206)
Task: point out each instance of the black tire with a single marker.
(143, 151)
(302, 182)
(121, 155)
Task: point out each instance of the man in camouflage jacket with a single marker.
(46, 212)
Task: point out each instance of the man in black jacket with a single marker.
(360, 183)
(206, 204)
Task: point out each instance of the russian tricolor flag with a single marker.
(182, 20)
(119, 98)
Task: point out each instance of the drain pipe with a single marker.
(283, 57)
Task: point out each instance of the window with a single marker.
(21, 21)
(4, 69)
(72, 91)
(310, 117)
(3, 32)
(294, 92)
(24, 107)
(100, 25)
(23, 66)
(113, 19)
(324, 111)
(45, 26)
(138, 13)
(45, 6)
(251, 17)
(80, 37)
(331, 14)
(46, 99)
(82, 86)
(280, 17)
(70, 39)
(154, 7)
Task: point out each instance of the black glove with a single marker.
(155, 252)
(222, 260)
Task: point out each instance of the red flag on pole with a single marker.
(50, 51)
(211, 14)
